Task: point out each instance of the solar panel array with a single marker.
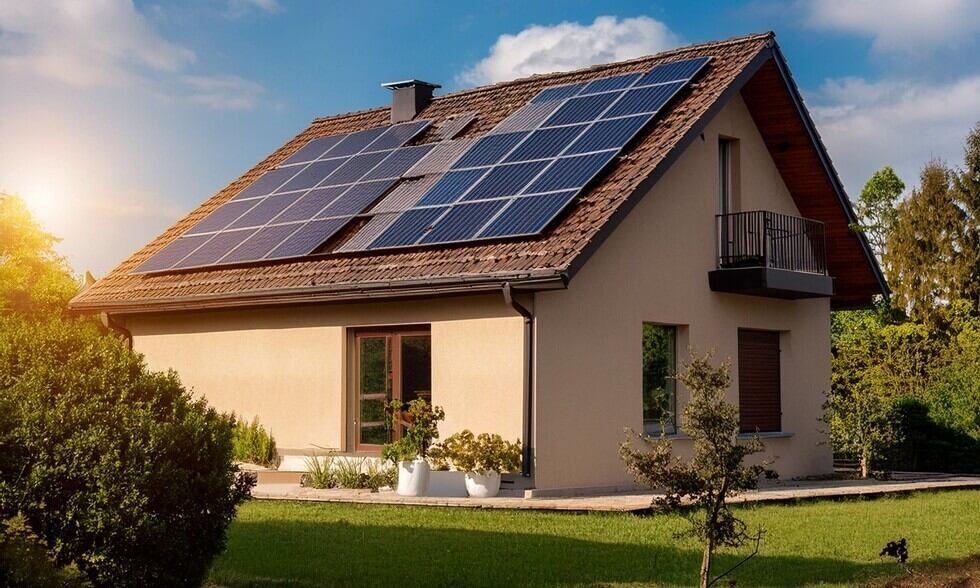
(517, 178)
(294, 208)
(512, 181)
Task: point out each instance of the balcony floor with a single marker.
(771, 283)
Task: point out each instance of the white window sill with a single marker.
(762, 435)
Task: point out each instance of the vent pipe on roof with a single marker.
(408, 98)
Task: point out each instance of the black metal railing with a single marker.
(760, 238)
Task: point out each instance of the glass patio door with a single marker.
(390, 364)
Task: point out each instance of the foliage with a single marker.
(320, 472)
(334, 471)
(251, 443)
(25, 563)
(419, 434)
(876, 208)
(481, 453)
(716, 471)
(116, 469)
(933, 252)
(927, 445)
(34, 280)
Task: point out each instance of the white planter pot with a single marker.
(413, 477)
(482, 485)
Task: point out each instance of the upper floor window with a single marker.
(728, 175)
(659, 367)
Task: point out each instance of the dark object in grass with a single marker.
(898, 550)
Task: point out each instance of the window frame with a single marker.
(661, 426)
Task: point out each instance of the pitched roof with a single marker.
(548, 256)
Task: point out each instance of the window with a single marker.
(389, 364)
(759, 402)
(659, 367)
(728, 178)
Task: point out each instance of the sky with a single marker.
(119, 117)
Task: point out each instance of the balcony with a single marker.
(764, 253)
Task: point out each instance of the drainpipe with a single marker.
(111, 324)
(527, 461)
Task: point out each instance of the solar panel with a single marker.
(265, 211)
(608, 134)
(172, 253)
(583, 109)
(489, 149)
(440, 158)
(678, 70)
(261, 243)
(527, 117)
(222, 217)
(397, 135)
(557, 93)
(528, 215)
(452, 127)
(310, 204)
(356, 199)
(607, 84)
(354, 169)
(644, 100)
(217, 247)
(505, 180)
(463, 221)
(355, 142)
(451, 186)
(313, 149)
(267, 183)
(409, 227)
(311, 175)
(398, 162)
(571, 172)
(545, 143)
(308, 238)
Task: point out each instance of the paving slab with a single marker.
(632, 501)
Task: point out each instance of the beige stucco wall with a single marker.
(654, 268)
(288, 365)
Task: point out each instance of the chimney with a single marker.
(409, 98)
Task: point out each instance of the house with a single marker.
(682, 199)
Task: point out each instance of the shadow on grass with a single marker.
(339, 553)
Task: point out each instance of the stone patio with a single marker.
(633, 501)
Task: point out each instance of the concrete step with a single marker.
(278, 477)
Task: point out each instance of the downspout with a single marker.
(111, 324)
(527, 460)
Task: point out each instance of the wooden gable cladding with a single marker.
(759, 403)
(798, 159)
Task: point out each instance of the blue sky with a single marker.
(117, 118)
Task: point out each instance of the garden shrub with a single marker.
(333, 471)
(251, 443)
(117, 469)
(481, 453)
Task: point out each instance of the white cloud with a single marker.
(902, 123)
(224, 92)
(901, 26)
(570, 45)
(237, 8)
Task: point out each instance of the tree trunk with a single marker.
(706, 564)
(865, 464)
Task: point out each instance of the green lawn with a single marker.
(809, 544)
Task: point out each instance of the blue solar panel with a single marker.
(217, 247)
(506, 180)
(571, 172)
(267, 182)
(265, 211)
(528, 215)
(314, 149)
(670, 72)
(356, 199)
(463, 221)
(354, 169)
(397, 135)
(582, 109)
(408, 228)
(355, 142)
(399, 162)
(172, 253)
(311, 175)
(607, 84)
(261, 243)
(557, 93)
(310, 204)
(608, 134)
(545, 143)
(645, 100)
(222, 217)
(451, 186)
(489, 149)
(308, 238)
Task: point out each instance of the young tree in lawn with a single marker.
(876, 208)
(715, 473)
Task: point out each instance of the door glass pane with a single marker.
(374, 388)
(659, 357)
(374, 435)
(416, 376)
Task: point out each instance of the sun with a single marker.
(47, 199)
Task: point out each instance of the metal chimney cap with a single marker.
(409, 84)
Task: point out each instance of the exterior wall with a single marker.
(654, 268)
(288, 365)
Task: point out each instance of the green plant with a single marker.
(714, 473)
(320, 472)
(481, 453)
(252, 444)
(421, 431)
(117, 469)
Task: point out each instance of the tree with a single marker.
(876, 208)
(34, 280)
(715, 472)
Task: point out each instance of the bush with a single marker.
(482, 453)
(332, 471)
(422, 430)
(927, 445)
(24, 562)
(116, 469)
(319, 472)
(252, 444)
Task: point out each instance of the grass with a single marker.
(826, 543)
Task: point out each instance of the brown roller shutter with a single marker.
(758, 380)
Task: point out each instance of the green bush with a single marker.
(24, 562)
(422, 430)
(482, 453)
(252, 444)
(320, 472)
(332, 471)
(116, 469)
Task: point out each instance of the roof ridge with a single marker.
(591, 68)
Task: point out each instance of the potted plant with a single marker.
(483, 457)
(409, 452)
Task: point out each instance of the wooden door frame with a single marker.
(393, 340)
